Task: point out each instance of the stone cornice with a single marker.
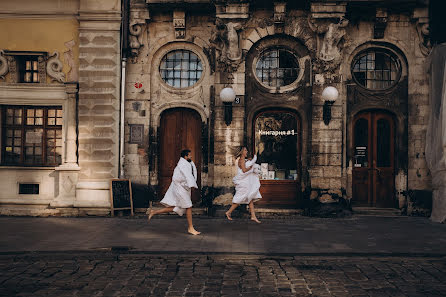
(32, 94)
(37, 16)
(111, 15)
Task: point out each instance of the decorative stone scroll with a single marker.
(54, 68)
(138, 19)
(3, 65)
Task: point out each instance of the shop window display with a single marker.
(276, 139)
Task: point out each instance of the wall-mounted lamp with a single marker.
(227, 96)
(329, 95)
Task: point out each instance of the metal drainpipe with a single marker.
(121, 119)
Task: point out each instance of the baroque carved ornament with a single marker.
(226, 41)
(328, 21)
(421, 18)
(330, 37)
(3, 65)
(138, 24)
(54, 68)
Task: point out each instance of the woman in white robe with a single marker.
(178, 196)
(247, 184)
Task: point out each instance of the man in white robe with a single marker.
(178, 196)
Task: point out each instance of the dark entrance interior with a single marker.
(373, 159)
(180, 128)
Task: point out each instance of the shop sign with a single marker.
(277, 133)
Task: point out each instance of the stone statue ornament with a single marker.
(423, 35)
(330, 45)
(226, 41)
(54, 68)
(3, 65)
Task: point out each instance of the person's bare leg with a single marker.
(190, 227)
(230, 210)
(159, 211)
(253, 212)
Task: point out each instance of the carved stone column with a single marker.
(68, 172)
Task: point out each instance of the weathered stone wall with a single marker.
(332, 43)
(147, 96)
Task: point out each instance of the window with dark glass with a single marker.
(277, 68)
(28, 68)
(181, 68)
(32, 135)
(276, 138)
(376, 70)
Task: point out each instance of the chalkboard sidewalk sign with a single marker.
(121, 195)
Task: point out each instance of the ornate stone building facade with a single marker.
(366, 146)
(333, 96)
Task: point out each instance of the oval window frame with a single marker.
(285, 88)
(385, 51)
(203, 69)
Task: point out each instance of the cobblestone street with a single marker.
(358, 256)
(219, 275)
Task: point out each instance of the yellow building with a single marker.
(59, 103)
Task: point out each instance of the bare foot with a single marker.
(228, 215)
(255, 220)
(193, 231)
(151, 214)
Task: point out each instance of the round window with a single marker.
(181, 68)
(376, 70)
(277, 68)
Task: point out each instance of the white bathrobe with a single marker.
(247, 184)
(179, 192)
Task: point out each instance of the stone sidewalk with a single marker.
(358, 235)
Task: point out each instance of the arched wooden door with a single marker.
(373, 159)
(180, 129)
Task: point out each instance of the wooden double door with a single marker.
(373, 159)
(180, 128)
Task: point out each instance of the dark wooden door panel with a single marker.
(180, 128)
(373, 183)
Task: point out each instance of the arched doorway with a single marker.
(277, 141)
(373, 177)
(180, 128)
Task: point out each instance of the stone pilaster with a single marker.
(68, 172)
(327, 22)
(99, 93)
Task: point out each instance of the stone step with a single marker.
(375, 211)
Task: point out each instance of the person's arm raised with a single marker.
(242, 164)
